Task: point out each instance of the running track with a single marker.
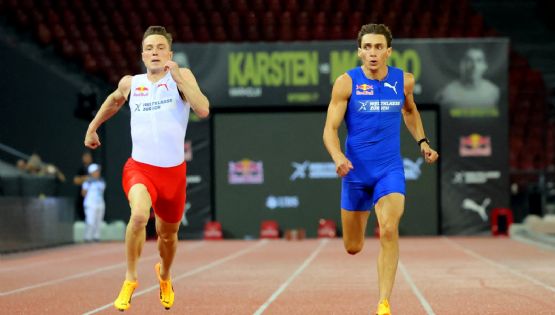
(436, 276)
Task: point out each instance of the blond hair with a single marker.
(158, 30)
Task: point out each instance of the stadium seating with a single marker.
(102, 36)
(87, 31)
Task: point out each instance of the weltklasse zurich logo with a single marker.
(313, 170)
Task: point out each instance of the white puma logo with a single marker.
(471, 205)
(393, 87)
(412, 169)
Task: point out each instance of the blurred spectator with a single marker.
(51, 169)
(93, 193)
(35, 166)
(21, 164)
(78, 180)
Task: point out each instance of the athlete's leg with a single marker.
(135, 234)
(358, 201)
(140, 202)
(389, 210)
(167, 244)
(354, 228)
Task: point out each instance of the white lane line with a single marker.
(58, 260)
(497, 265)
(415, 290)
(59, 280)
(297, 272)
(187, 274)
(80, 275)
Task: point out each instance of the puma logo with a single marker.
(393, 87)
(472, 205)
(412, 169)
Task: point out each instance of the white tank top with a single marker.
(159, 120)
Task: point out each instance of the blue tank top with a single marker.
(373, 116)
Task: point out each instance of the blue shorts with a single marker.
(360, 191)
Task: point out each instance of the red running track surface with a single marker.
(439, 275)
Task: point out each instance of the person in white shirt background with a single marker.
(93, 192)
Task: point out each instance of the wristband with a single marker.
(423, 140)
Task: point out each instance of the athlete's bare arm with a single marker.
(109, 108)
(413, 120)
(336, 112)
(187, 84)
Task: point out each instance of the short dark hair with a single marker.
(158, 30)
(380, 29)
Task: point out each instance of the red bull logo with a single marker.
(245, 172)
(475, 145)
(141, 91)
(364, 89)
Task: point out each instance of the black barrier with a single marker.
(199, 183)
(273, 166)
(30, 223)
(466, 77)
(28, 186)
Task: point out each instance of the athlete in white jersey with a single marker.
(158, 121)
(154, 176)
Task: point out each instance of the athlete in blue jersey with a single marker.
(372, 99)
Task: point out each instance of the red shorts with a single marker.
(166, 186)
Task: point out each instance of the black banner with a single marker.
(273, 166)
(474, 140)
(32, 223)
(199, 191)
(466, 77)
